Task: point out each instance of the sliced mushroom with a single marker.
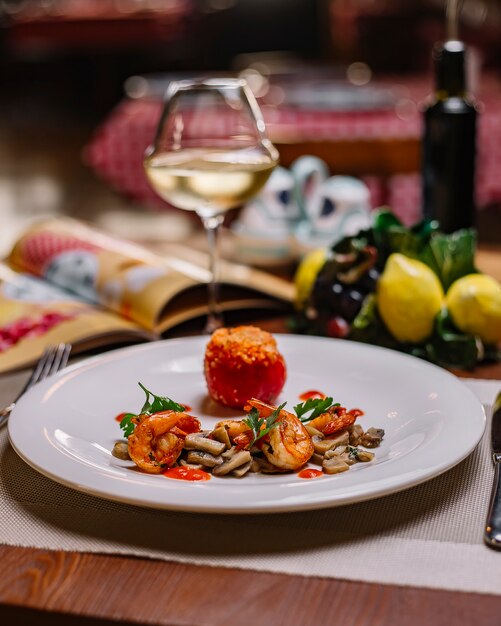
(314, 431)
(197, 441)
(228, 454)
(322, 445)
(372, 438)
(121, 451)
(268, 468)
(255, 467)
(342, 438)
(190, 465)
(355, 431)
(239, 458)
(204, 458)
(364, 455)
(334, 452)
(221, 434)
(349, 457)
(242, 470)
(318, 458)
(335, 465)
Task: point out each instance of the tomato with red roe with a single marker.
(242, 363)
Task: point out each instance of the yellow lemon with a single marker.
(474, 303)
(409, 296)
(306, 274)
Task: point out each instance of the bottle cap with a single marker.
(449, 58)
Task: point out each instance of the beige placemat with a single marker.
(427, 536)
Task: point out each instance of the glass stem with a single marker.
(212, 227)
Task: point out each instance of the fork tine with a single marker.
(60, 358)
(52, 351)
(53, 359)
(66, 355)
(37, 372)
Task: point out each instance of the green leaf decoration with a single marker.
(155, 404)
(450, 346)
(256, 423)
(127, 425)
(317, 406)
(368, 327)
(451, 256)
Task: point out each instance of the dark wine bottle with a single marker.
(449, 143)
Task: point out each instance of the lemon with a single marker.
(474, 303)
(306, 274)
(409, 296)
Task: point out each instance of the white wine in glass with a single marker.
(210, 154)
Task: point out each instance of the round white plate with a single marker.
(65, 427)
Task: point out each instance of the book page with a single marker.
(133, 282)
(35, 314)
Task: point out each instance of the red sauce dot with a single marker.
(356, 412)
(120, 417)
(186, 407)
(186, 473)
(310, 473)
(311, 394)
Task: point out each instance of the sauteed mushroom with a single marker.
(372, 437)
(236, 460)
(204, 458)
(199, 441)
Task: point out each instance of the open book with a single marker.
(65, 282)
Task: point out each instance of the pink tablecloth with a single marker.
(117, 148)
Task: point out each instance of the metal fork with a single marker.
(53, 359)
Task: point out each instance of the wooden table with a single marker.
(55, 587)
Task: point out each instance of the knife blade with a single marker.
(492, 534)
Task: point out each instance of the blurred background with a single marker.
(81, 82)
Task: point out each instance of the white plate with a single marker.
(65, 427)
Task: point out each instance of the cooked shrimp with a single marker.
(234, 427)
(238, 432)
(158, 439)
(334, 420)
(288, 446)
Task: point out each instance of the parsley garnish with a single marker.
(153, 404)
(159, 403)
(127, 425)
(256, 423)
(352, 452)
(317, 406)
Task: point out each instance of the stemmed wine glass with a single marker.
(210, 154)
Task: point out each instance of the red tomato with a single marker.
(243, 363)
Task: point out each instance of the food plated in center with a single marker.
(65, 426)
(163, 437)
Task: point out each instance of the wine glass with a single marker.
(210, 154)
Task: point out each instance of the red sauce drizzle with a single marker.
(187, 407)
(310, 473)
(311, 394)
(120, 417)
(186, 473)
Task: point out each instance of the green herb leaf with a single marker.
(158, 403)
(317, 406)
(127, 425)
(352, 452)
(153, 404)
(256, 423)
